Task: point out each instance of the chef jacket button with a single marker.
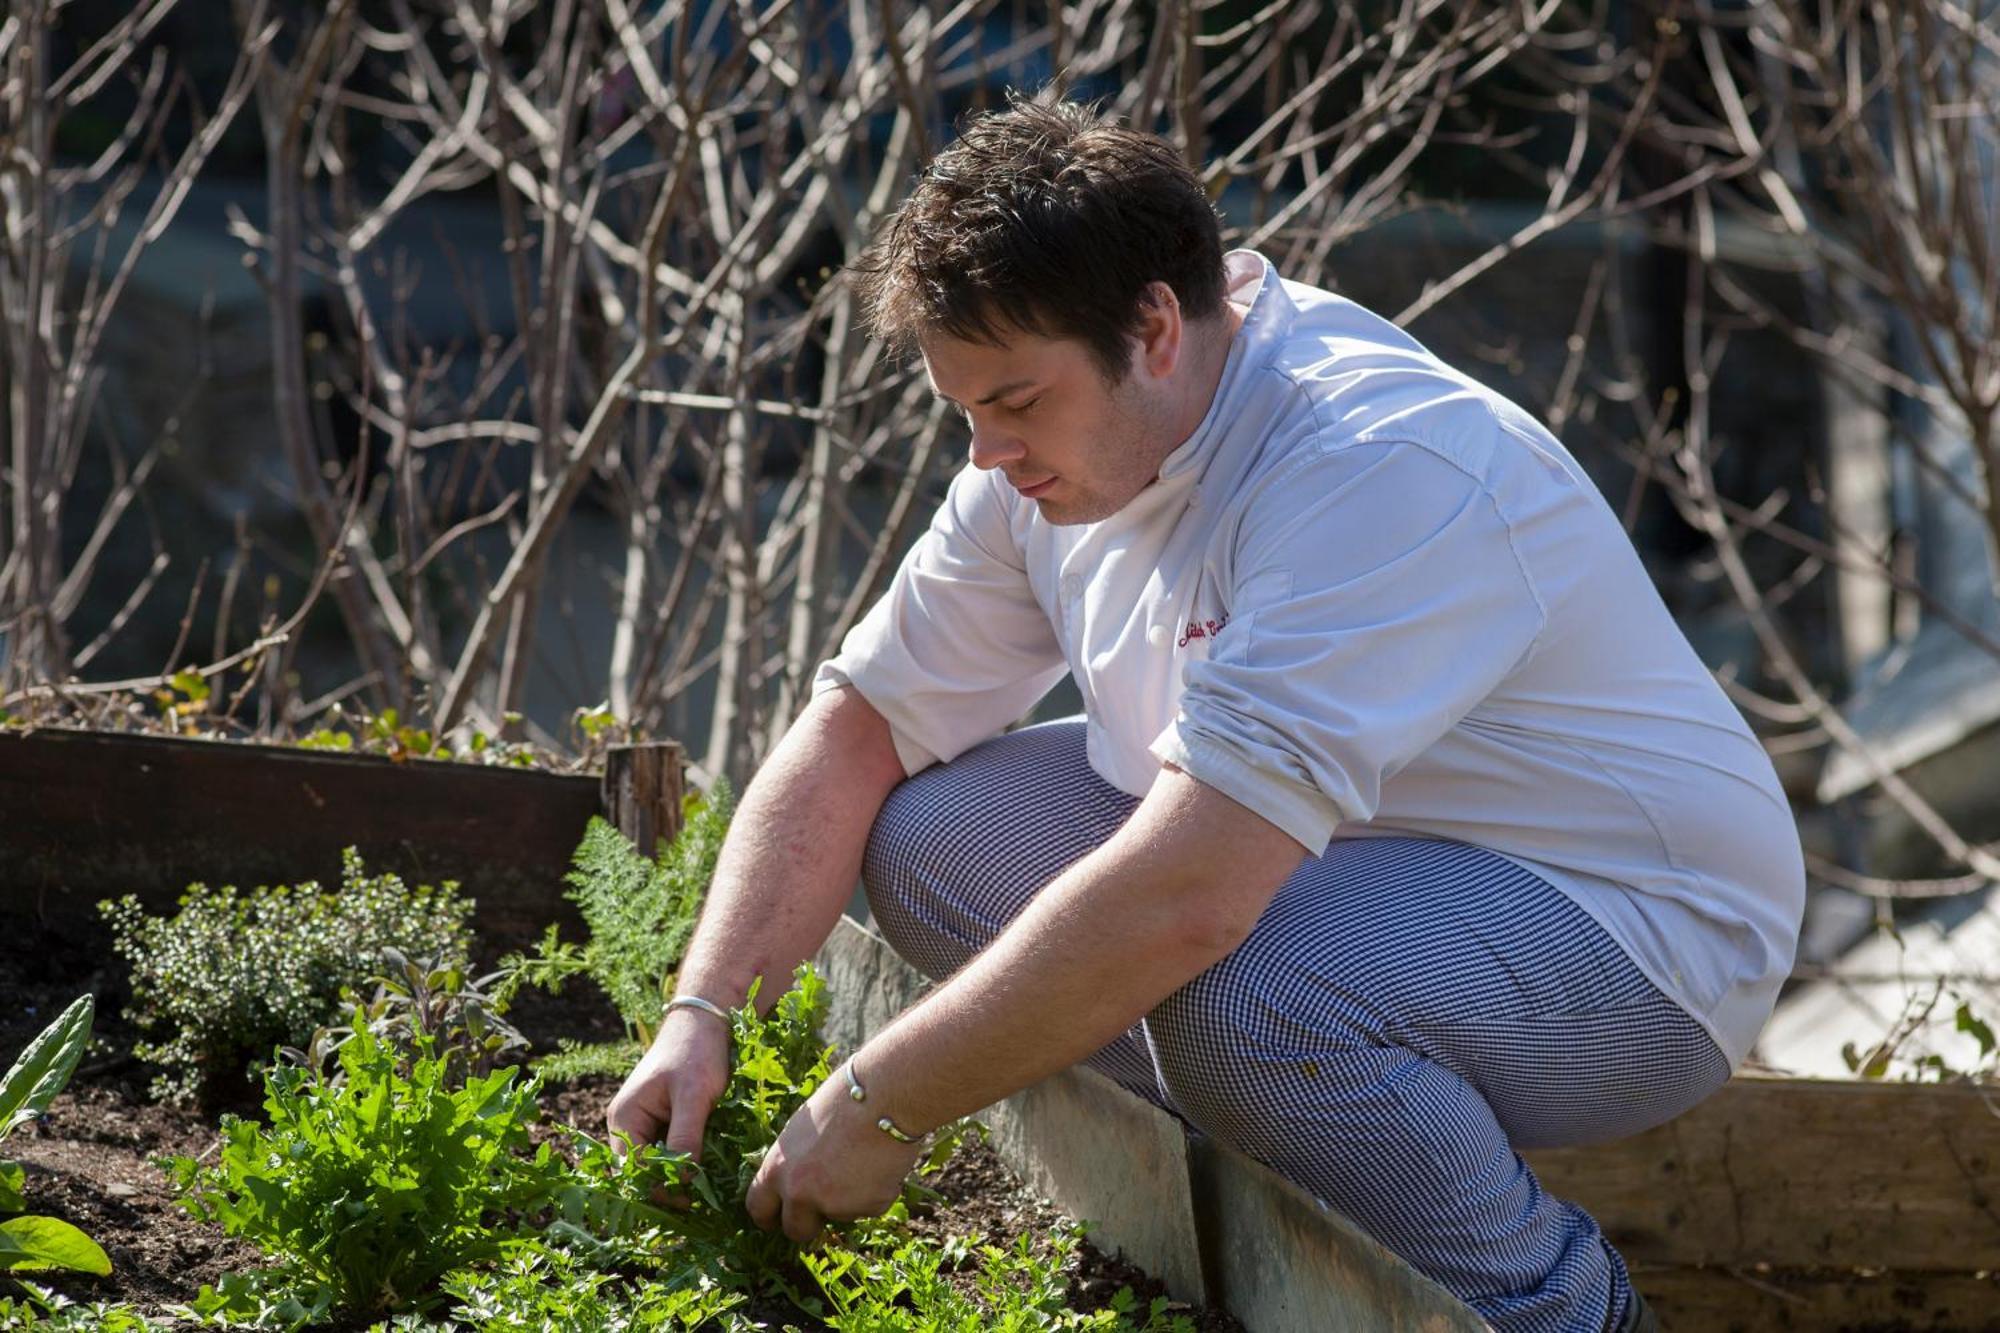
(1157, 636)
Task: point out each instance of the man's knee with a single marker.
(904, 843)
(1238, 1042)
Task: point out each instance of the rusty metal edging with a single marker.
(88, 815)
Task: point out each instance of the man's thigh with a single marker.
(1444, 949)
(964, 846)
(1464, 958)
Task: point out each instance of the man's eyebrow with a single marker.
(1011, 386)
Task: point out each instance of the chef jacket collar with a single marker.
(1264, 328)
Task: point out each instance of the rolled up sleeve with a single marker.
(1377, 598)
(958, 647)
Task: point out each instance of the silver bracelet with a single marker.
(884, 1123)
(696, 1002)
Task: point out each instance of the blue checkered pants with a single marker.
(1404, 1014)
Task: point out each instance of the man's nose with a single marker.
(991, 448)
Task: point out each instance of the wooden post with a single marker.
(642, 791)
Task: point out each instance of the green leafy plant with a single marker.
(1902, 1050)
(779, 1061)
(573, 1060)
(232, 975)
(268, 1299)
(185, 695)
(461, 1016)
(40, 1310)
(397, 1191)
(640, 912)
(43, 1069)
(546, 1290)
(386, 734)
(915, 1286)
(372, 1188)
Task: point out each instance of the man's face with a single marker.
(1041, 413)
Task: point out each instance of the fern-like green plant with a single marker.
(640, 911)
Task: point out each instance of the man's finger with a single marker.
(802, 1221)
(761, 1202)
(625, 1117)
(685, 1128)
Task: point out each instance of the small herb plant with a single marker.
(593, 730)
(27, 1242)
(461, 1015)
(908, 1286)
(233, 975)
(545, 1290)
(779, 1062)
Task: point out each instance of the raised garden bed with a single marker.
(99, 815)
(89, 1161)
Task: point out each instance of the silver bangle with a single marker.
(860, 1094)
(696, 1002)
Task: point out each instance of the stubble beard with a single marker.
(1130, 440)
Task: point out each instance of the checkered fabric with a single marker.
(1405, 1013)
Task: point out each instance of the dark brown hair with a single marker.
(1045, 219)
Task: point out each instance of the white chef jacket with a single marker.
(1369, 597)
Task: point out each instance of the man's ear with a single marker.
(1161, 330)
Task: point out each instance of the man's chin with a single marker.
(1072, 510)
(1059, 515)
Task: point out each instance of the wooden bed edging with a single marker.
(1214, 1226)
(1778, 1204)
(87, 815)
(1803, 1173)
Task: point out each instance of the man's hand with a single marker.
(831, 1163)
(674, 1086)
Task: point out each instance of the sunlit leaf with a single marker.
(46, 1065)
(32, 1243)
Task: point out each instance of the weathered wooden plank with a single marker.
(88, 815)
(643, 786)
(1745, 1300)
(1111, 1159)
(1800, 1173)
(1282, 1263)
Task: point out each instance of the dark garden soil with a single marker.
(89, 1162)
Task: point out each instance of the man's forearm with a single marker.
(1173, 891)
(793, 851)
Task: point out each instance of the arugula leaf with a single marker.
(376, 1186)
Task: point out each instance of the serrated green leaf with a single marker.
(46, 1065)
(34, 1243)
